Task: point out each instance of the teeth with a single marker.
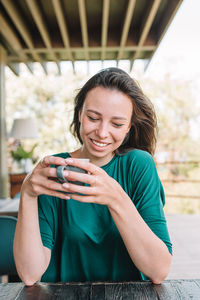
(99, 144)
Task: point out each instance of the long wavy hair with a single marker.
(142, 134)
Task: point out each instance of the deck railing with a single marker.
(179, 180)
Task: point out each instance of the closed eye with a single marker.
(92, 119)
(117, 124)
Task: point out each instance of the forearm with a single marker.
(147, 251)
(29, 252)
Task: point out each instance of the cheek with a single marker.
(120, 134)
(86, 126)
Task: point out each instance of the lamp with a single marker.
(24, 129)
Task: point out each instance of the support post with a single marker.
(3, 134)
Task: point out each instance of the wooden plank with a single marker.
(166, 291)
(7, 293)
(57, 291)
(104, 31)
(184, 234)
(126, 26)
(84, 30)
(179, 289)
(186, 289)
(113, 291)
(97, 291)
(134, 291)
(192, 288)
(76, 291)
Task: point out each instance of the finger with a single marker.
(55, 194)
(81, 163)
(82, 198)
(76, 176)
(40, 182)
(51, 160)
(52, 185)
(80, 189)
(49, 172)
(42, 173)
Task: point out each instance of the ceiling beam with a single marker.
(18, 20)
(39, 20)
(63, 26)
(76, 50)
(167, 18)
(44, 67)
(73, 67)
(9, 34)
(14, 68)
(104, 32)
(147, 25)
(83, 21)
(13, 42)
(29, 65)
(42, 27)
(95, 49)
(165, 22)
(125, 30)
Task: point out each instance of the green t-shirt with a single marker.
(84, 240)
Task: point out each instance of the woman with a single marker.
(112, 228)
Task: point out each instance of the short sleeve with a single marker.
(149, 198)
(47, 220)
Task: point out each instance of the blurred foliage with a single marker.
(21, 153)
(49, 99)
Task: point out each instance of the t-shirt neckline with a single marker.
(107, 164)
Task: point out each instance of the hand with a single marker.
(102, 188)
(43, 179)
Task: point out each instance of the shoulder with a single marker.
(139, 158)
(139, 165)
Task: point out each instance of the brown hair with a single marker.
(142, 134)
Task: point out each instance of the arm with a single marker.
(31, 257)
(147, 251)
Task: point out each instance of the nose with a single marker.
(102, 130)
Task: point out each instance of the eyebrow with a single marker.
(98, 113)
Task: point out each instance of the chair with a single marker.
(7, 231)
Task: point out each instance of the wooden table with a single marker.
(168, 290)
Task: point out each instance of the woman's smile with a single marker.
(99, 144)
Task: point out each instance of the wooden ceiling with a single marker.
(74, 30)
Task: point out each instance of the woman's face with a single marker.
(105, 120)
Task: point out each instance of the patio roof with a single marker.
(74, 30)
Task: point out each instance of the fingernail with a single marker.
(69, 160)
(65, 173)
(65, 185)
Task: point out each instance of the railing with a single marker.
(174, 180)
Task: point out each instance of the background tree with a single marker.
(49, 99)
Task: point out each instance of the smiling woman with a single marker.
(112, 226)
(105, 119)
